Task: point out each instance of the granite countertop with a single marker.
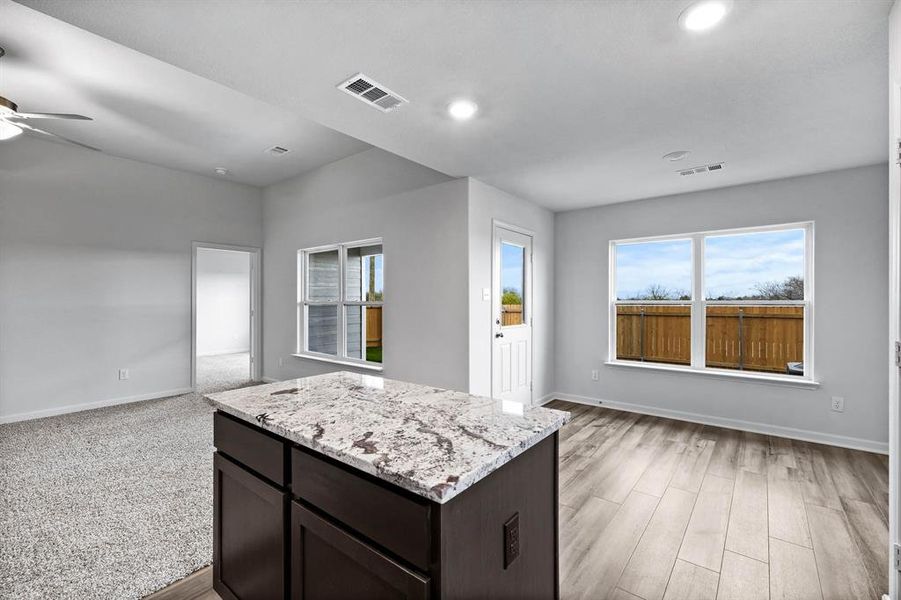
(430, 441)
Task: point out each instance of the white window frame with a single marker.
(699, 305)
(341, 303)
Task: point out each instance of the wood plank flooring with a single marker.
(656, 509)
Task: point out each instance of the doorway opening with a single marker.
(225, 320)
(511, 349)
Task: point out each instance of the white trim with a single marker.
(340, 361)
(269, 379)
(256, 306)
(726, 423)
(748, 376)
(545, 399)
(74, 408)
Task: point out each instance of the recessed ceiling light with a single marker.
(704, 15)
(8, 130)
(676, 155)
(221, 171)
(462, 110)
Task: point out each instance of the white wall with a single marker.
(95, 273)
(850, 211)
(421, 216)
(223, 301)
(487, 203)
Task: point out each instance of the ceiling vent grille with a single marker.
(372, 93)
(702, 169)
(277, 151)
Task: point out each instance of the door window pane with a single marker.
(654, 270)
(654, 333)
(365, 275)
(513, 259)
(322, 276)
(767, 265)
(364, 332)
(768, 339)
(322, 329)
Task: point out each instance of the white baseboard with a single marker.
(269, 379)
(72, 408)
(754, 427)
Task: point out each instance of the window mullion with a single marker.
(698, 305)
(342, 310)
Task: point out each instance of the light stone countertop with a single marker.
(430, 441)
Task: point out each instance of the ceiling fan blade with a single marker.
(69, 117)
(53, 135)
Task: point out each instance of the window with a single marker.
(340, 302)
(737, 300)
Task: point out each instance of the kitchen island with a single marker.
(346, 486)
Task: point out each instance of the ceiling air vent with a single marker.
(372, 93)
(701, 169)
(277, 151)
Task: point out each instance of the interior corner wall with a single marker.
(95, 274)
(420, 214)
(850, 211)
(487, 204)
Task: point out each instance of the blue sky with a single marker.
(733, 263)
(379, 273)
(511, 267)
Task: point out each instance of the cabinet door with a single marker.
(328, 563)
(248, 535)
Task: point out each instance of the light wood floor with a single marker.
(655, 509)
(665, 510)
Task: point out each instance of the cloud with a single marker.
(733, 264)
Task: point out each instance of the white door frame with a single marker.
(528, 297)
(255, 306)
(894, 337)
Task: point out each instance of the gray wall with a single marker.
(421, 216)
(487, 203)
(223, 301)
(850, 211)
(95, 273)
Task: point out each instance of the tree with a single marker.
(655, 291)
(792, 288)
(511, 296)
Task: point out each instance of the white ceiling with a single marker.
(579, 100)
(149, 110)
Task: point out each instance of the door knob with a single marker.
(498, 335)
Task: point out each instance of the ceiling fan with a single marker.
(13, 122)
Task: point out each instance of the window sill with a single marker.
(339, 361)
(743, 376)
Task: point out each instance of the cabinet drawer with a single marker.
(394, 520)
(250, 446)
(329, 563)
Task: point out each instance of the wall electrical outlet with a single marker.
(281, 361)
(486, 294)
(511, 540)
(838, 404)
(594, 375)
(123, 374)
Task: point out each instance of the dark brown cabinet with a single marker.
(292, 523)
(328, 563)
(249, 534)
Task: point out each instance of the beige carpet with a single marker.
(113, 503)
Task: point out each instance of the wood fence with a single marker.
(753, 338)
(511, 314)
(373, 326)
